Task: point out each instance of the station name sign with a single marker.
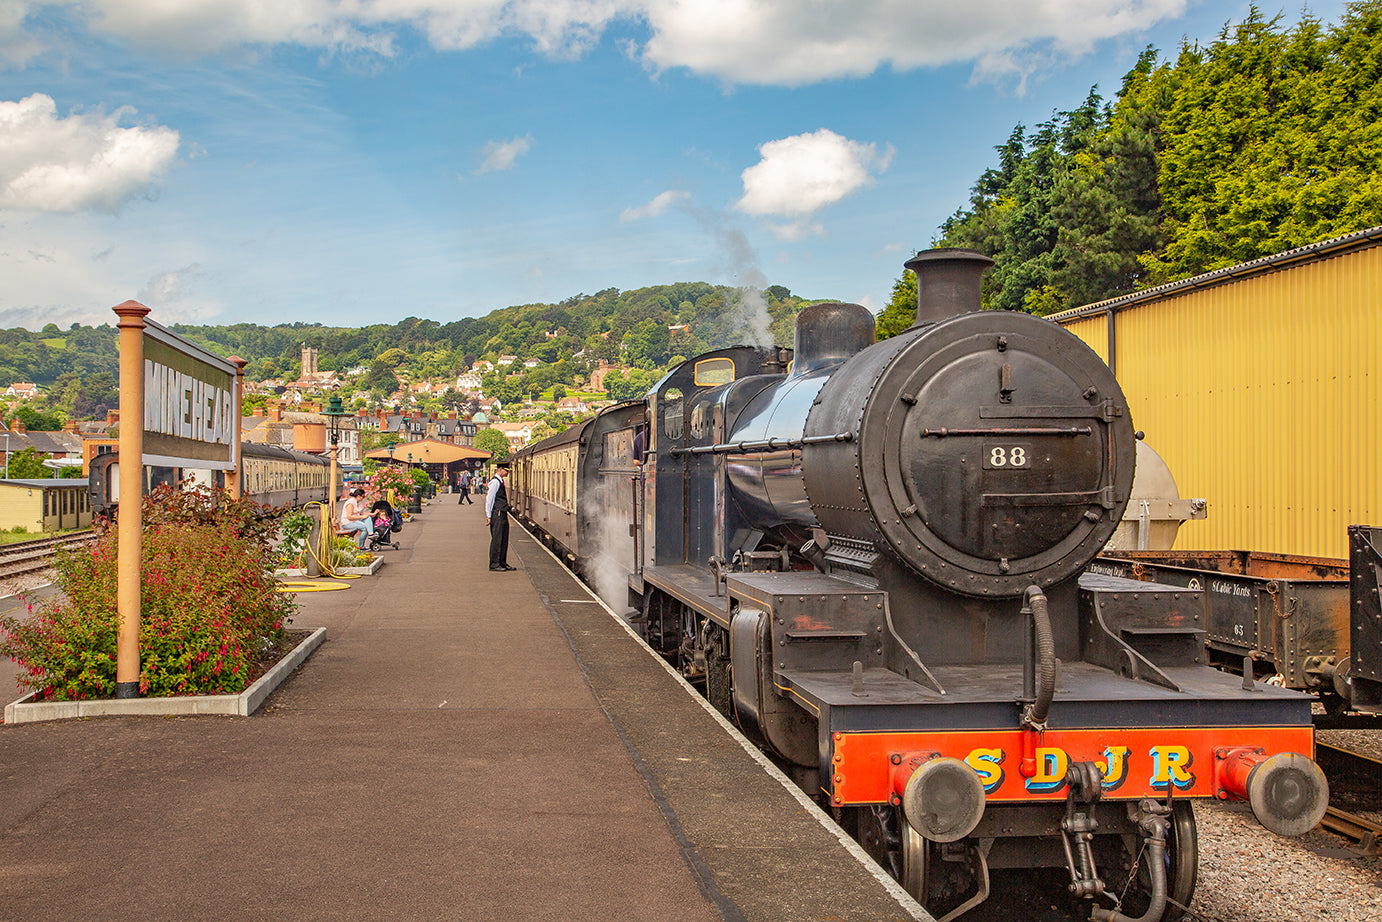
(191, 416)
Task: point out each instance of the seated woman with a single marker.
(355, 517)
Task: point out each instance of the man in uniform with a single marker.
(497, 518)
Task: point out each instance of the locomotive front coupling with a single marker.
(942, 797)
(1288, 792)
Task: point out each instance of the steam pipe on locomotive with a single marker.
(875, 561)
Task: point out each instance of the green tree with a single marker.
(37, 421)
(380, 377)
(1271, 141)
(494, 442)
(28, 465)
(629, 385)
(901, 311)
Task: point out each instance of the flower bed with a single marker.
(210, 605)
(296, 647)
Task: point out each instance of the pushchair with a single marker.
(387, 521)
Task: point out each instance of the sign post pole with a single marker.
(130, 537)
(235, 486)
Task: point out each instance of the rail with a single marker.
(1353, 779)
(26, 557)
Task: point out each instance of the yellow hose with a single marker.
(322, 552)
(310, 585)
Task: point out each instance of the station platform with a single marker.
(465, 745)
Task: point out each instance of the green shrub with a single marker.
(208, 600)
(294, 531)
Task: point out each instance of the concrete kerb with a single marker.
(299, 573)
(242, 705)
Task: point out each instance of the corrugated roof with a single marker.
(1323, 250)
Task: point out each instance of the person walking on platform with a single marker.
(464, 485)
(497, 518)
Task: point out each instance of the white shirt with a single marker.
(489, 497)
(354, 509)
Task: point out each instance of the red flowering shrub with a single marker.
(207, 596)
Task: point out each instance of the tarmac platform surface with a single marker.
(466, 745)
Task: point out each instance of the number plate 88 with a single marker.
(998, 457)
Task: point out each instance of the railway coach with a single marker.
(269, 475)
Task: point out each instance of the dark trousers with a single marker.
(465, 497)
(499, 539)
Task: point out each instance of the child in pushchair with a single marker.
(386, 521)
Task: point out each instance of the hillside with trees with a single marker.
(638, 331)
(1263, 140)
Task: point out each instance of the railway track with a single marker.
(1355, 794)
(31, 556)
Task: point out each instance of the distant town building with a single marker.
(518, 434)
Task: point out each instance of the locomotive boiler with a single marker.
(872, 554)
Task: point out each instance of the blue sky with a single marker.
(360, 161)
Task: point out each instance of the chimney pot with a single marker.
(948, 283)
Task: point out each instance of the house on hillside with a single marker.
(518, 434)
(23, 390)
(507, 360)
(572, 405)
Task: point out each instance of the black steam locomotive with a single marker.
(872, 555)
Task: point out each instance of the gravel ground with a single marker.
(1368, 742)
(16, 585)
(1248, 874)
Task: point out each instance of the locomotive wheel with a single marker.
(893, 843)
(1182, 867)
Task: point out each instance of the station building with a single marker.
(1260, 387)
(44, 505)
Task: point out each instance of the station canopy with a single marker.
(428, 452)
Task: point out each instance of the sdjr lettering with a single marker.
(1170, 767)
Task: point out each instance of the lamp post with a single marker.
(333, 413)
(414, 498)
(7, 456)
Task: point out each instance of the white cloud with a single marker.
(779, 42)
(500, 155)
(172, 297)
(787, 43)
(656, 207)
(798, 176)
(16, 47)
(85, 162)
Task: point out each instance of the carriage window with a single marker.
(671, 413)
(714, 372)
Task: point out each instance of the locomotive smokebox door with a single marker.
(996, 452)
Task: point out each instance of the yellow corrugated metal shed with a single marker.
(1257, 384)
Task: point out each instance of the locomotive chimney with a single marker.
(828, 334)
(948, 283)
